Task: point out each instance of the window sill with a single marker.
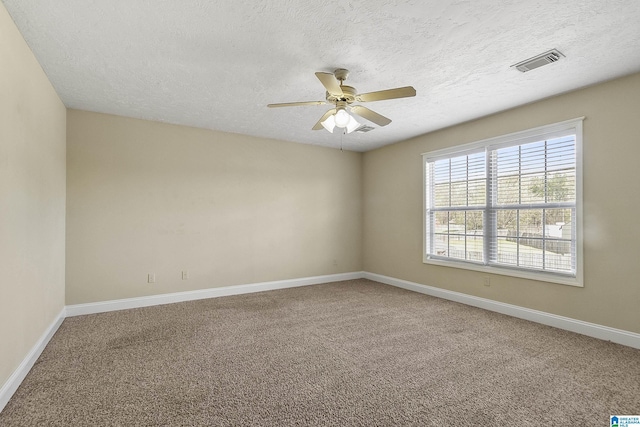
(531, 275)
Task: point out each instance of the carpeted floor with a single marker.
(354, 353)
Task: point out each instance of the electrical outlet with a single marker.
(151, 278)
(185, 274)
(487, 281)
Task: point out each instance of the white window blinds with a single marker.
(457, 206)
(533, 205)
(509, 202)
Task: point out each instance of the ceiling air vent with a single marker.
(364, 128)
(539, 60)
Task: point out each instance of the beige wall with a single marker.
(32, 199)
(146, 197)
(392, 206)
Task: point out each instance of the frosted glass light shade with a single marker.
(330, 123)
(352, 125)
(342, 118)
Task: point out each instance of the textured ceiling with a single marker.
(217, 64)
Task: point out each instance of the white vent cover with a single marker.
(539, 60)
(364, 128)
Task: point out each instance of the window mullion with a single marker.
(465, 233)
(518, 237)
(449, 233)
(544, 237)
(489, 224)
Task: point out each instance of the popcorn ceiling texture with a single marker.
(217, 64)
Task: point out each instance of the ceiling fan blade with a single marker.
(295, 104)
(400, 92)
(318, 125)
(330, 83)
(372, 116)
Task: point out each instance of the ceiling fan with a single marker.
(342, 96)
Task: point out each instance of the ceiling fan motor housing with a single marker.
(348, 95)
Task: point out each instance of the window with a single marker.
(508, 205)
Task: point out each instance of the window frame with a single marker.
(573, 126)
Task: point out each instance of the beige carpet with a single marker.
(354, 353)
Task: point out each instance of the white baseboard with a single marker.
(590, 329)
(14, 381)
(606, 333)
(122, 304)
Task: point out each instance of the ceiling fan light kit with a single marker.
(342, 96)
(341, 119)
